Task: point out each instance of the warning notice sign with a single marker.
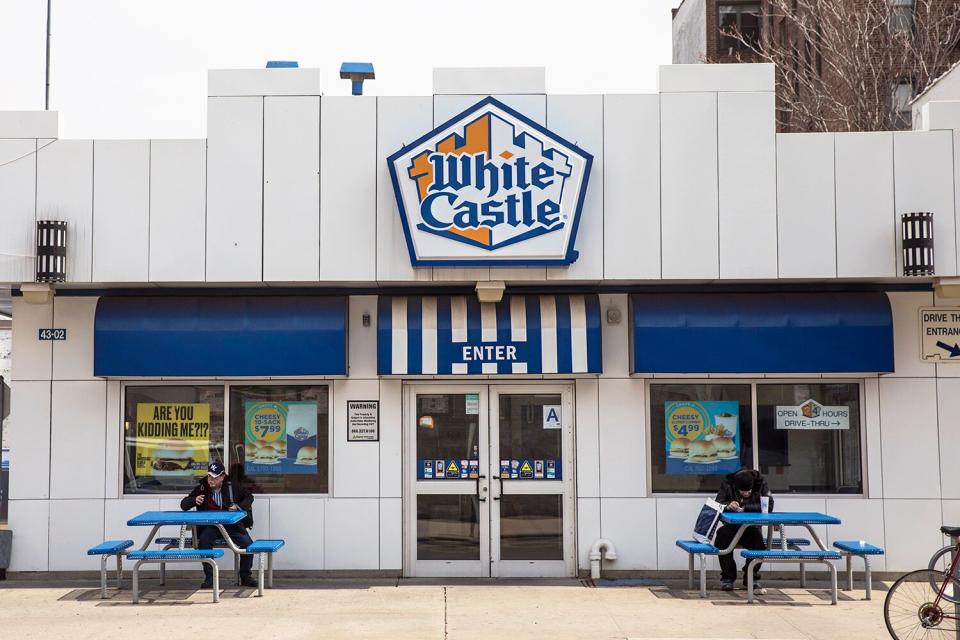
(940, 334)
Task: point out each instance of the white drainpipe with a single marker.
(600, 548)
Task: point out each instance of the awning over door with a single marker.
(762, 333)
(221, 336)
(458, 335)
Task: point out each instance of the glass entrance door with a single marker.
(489, 480)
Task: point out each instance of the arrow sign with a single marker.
(954, 350)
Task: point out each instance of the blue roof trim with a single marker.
(572, 253)
(225, 336)
(762, 333)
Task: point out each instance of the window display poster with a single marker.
(280, 438)
(702, 438)
(173, 439)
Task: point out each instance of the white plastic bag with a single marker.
(708, 521)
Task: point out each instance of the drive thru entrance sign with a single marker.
(940, 334)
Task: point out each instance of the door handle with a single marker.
(479, 497)
(500, 492)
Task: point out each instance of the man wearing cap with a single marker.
(217, 492)
(741, 491)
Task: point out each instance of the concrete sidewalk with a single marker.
(441, 610)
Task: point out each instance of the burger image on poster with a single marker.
(702, 452)
(267, 454)
(250, 451)
(307, 455)
(726, 424)
(679, 447)
(173, 458)
(726, 448)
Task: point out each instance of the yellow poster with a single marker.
(173, 439)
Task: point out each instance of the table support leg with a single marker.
(803, 575)
(750, 581)
(833, 582)
(216, 581)
(849, 560)
(163, 573)
(690, 573)
(136, 582)
(260, 574)
(103, 577)
(119, 571)
(703, 576)
(866, 576)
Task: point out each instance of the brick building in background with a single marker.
(699, 37)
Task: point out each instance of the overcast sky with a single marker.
(137, 68)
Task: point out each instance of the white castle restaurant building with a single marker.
(473, 332)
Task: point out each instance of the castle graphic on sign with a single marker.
(490, 186)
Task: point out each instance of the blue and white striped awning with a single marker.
(458, 335)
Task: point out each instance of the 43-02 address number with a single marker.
(53, 334)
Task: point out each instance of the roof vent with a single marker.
(357, 72)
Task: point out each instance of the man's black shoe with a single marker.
(207, 584)
(248, 581)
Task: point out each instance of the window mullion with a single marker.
(754, 422)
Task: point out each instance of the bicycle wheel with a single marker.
(911, 609)
(940, 562)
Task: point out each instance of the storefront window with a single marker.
(279, 438)
(698, 433)
(171, 434)
(809, 437)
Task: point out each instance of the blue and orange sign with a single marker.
(490, 187)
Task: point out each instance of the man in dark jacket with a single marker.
(741, 491)
(216, 492)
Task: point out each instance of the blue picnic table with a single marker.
(778, 520)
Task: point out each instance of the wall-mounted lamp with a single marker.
(365, 319)
(37, 292)
(356, 73)
(490, 291)
(614, 315)
(51, 251)
(917, 236)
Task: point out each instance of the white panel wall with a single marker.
(113, 437)
(391, 448)
(18, 192)
(398, 121)
(908, 408)
(351, 534)
(234, 189)
(688, 185)
(579, 119)
(588, 529)
(923, 180)
(356, 465)
(29, 520)
(873, 460)
(65, 192)
(747, 156)
(348, 188)
(631, 187)
(904, 306)
(75, 526)
(77, 439)
(299, 521)
(806, 215)
(630, 524)
(587, 433)
(121, 210)
(860, 520)
(30, 468)
(866, 239)
(623, 440)
(363, 340)
(615, 337)
(912, 533)
(674, 519)
(34, 357)
(391, 534)
(73, 357)
(178, 210)
(948, 408)
(291, 188)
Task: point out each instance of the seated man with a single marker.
(216, 492)
(741, 491)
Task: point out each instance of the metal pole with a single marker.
(46, 92)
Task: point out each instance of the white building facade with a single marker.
(261, 293)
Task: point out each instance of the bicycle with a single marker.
(927, 600)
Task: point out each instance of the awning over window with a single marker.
(459, 335)
(221, 336)
(762, 333)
